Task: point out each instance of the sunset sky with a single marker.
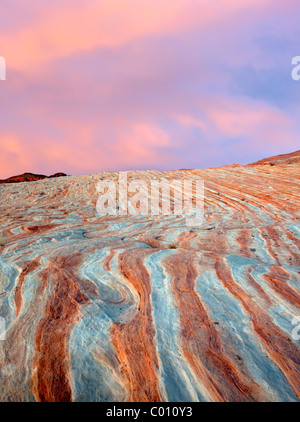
(143, 84)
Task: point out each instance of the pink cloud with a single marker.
(123, 84)
(110, 23)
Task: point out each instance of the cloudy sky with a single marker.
(143, 84)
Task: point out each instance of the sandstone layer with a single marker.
(142, 308)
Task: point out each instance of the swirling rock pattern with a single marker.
(102, 309)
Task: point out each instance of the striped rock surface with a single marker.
(144, 308)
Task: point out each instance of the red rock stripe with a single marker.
(290, 235)
(201, 342)
(265, 235)
(278, 279)
(280, 244)
(134, 341)
(258, 288)
(29, 266)
(51, 367)
(244, 239)
(108, 259)
(281, 350)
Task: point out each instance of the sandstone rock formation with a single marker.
(29, 177)
(144, 308)
(283, 159)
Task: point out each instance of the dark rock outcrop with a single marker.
(29, 177)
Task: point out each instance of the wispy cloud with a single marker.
(122, 84)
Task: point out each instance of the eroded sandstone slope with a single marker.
(148, 309)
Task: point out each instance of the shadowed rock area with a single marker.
(29, 177)
(146, 308)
